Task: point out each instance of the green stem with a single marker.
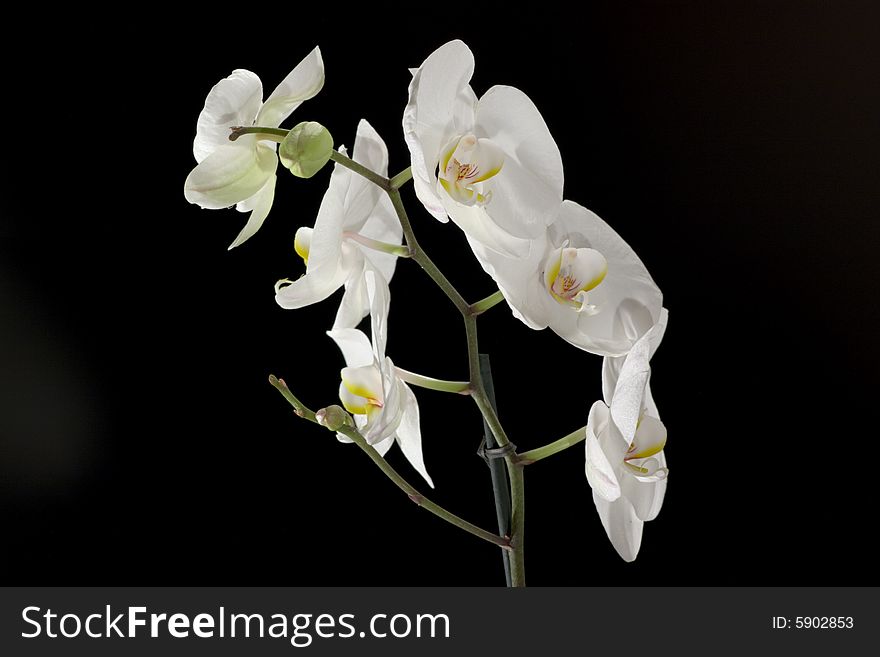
(394, 249)
(497, 468)
(298, 406)
(417, 497)
(514, 469)
(483, 305)
(478, 392)
(422, 258)
(401, 178)
(461, 387)
(517, 521)
(272, 134)
(361, 170)
(491, 416)
(391, 473)
(575, 437)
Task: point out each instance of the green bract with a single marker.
(306, 149)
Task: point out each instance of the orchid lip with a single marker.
(362, 390)
(570, 273)
(649, 469)
(649, 440)
(302, 242)
(465, 164)
(281, 284)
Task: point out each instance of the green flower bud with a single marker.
(306, 149)
(334, 418)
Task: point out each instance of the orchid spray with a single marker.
(490, 165)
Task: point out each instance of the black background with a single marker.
(734, 146)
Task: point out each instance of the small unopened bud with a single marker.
(334, 418)
(306, 149)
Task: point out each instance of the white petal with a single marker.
(326, 250)
(354, 345)
(655, 333)
(409, 435)
(477, 225)
(232, 173)
(380, 301)
(650, 407)
(437, 106)
(611, 365)
(527, 193)
(385, 421)
(464, 111)
(360, 196)
(622, 525)
(610, 373)
(430, 198)
(519, 280)
(384, 226)
(234, 101)
(355, 304)
(629, 393)
(384, 445)
(370, 149)
(628, 300)
(601, 474)
(302, 83)
(262, 203)
(311, 288)
(444, 75)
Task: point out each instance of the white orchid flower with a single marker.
(491, 164)
(354, 214)
(385, 410)
(625, 464)
(242, 173)
(582, 280)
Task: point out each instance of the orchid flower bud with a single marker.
(306, 149)
(334, 418)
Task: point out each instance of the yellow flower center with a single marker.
(466, 163)
(570, 273)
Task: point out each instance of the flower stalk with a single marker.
(497, 470)
(575, 437)
(478, 392)
(401, 178)
(351, 432)
(549, 256)
(270, 134)
(361, 170)
(376, 245)
(460, 387)
(483, 305)
(417, 254)
(469, 312)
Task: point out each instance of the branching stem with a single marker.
(413, 494)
